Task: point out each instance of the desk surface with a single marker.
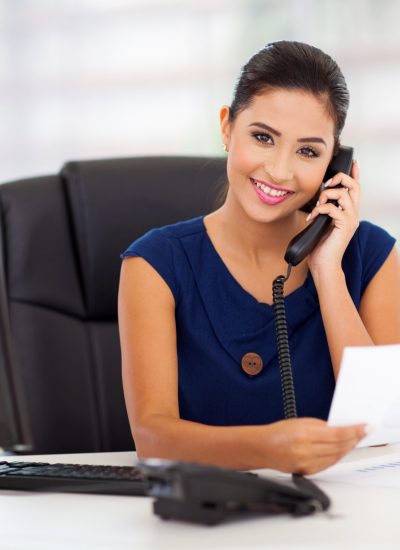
(360, 517)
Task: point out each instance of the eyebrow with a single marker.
(301, 140)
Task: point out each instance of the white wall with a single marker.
(103, 78)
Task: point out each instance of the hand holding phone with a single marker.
(304, 242)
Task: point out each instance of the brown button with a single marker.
(252, 363)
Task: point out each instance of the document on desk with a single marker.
(368, 391)
(381, 471)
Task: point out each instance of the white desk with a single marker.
(360, 518)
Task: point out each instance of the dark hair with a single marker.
(293, 65)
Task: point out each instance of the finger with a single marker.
(335, 194)
(343, 179)
(327, 448)
(329, 459)
(337, 434)
(327, 444)
(319, 463)
(343, 199)
(355, 171)
(329, 452)
(328, 208)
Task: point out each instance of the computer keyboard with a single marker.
(77, 478)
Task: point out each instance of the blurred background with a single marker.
(85, 79)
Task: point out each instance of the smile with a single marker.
(270, 195)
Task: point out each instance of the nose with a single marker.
(278, 166)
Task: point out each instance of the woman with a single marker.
(200, 369)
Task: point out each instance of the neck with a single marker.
(255, 240)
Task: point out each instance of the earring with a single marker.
(224, 147)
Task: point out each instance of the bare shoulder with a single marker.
(140, 281)
(387, 277)
(380, 303)
(146, 308)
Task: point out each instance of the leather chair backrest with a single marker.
(62, 238)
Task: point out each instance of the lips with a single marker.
(271, 185)
(269, 193)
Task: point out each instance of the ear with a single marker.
(225, 125)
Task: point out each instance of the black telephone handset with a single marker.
(302, 244)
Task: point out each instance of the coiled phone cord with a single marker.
(285, 367)
(322, 501)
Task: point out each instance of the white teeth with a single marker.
(269, 191)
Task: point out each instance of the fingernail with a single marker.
(328, 182)
(308, 218)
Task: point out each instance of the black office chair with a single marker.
(62, 236)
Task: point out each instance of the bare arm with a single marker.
(378, 320)
(150, 378)
(380, 304)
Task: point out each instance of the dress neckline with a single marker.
(304, 287)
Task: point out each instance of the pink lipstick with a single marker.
(270, 194)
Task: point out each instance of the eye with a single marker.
(309, 152)
(262, 137)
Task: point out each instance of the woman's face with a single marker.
(279, 149)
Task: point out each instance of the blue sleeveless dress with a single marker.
(218, 322)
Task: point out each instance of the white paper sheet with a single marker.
(381, 471)
(368, 391)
